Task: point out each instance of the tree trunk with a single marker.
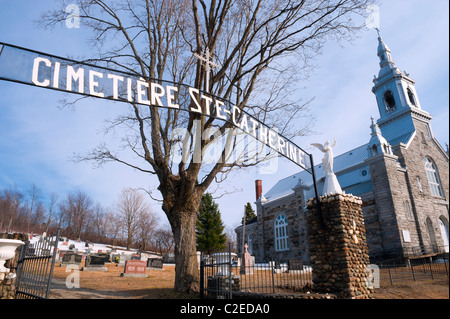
(187, 276)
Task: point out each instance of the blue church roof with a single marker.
(353, 176)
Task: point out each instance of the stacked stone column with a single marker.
(338, 248)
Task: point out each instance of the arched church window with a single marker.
(433, 178)
(443, 225)
(281, 233)
(408, 210)
(374, 150)
(411, 97)
(389, 100)
(431, 234)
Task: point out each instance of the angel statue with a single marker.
(331, 184)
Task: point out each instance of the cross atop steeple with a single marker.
(378, 31)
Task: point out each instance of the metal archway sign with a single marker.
(30, 67)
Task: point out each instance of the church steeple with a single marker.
(387, 64)
(377, 143)
(396, 96)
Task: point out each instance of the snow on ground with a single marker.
(82, 248)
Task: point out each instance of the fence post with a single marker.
(390, 277)
(412, 270)
(202, 275)
(431, 269)
(445, 265)
(230, 286)
(273, 277)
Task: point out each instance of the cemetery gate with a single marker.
(35, 268)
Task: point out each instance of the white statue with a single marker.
(331, 184)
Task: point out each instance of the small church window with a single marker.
(424, 141)
(433, 178)
(281, 233)
(390, 101)
(411, 97)
(408, 210)
(419, 184)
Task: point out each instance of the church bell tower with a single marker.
(397, 99)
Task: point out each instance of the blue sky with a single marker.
(37, 139)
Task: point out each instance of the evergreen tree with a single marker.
(249, 213)
(209, 230)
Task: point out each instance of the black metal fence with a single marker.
(418, 268)
(35, 268)
(222, 277)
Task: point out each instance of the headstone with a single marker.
(169, 258)
(275, 266)
(115, 257)
(95, 263)
(155, 263)
(295, 265)
(246, 267)
(71, 259)
(135, 257)
(123, 259)
(135, 268)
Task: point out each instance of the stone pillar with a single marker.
(339, 253)
(7, 287)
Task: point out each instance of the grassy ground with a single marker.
(159, 285)
(109, 284)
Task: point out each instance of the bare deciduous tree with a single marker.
(163, 241)
(262, 48)
(147, 223)
(134, 214)
(75, 211)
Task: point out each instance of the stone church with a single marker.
(401, 175)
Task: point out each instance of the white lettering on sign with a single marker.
(34, 77)
(142, 91)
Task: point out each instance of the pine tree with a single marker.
(209, 230)
(249, 213)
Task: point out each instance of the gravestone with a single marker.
(135, 268)
(275, 266)
(123, 259)
(169, 258)
(246, 267)
(95, 263)
(115, 257)
(71, 259)
(155, 263)
(295, 265)
(135, 257)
